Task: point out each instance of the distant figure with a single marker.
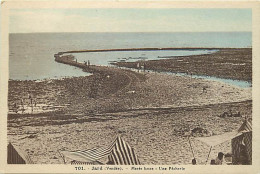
(15, 108)
(220, 159)
(212, 162)
(204, 90)
(22, 106)
(29, 95)
(88, 63)
(193, 161)
(22, 102)
(237, 115)
(138, 66)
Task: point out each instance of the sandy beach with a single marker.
(153, 112)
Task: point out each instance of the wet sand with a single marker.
(153, 112)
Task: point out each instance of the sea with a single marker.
(31, 55)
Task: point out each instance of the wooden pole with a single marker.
(191, 147)
(208, 155)
(62, 157)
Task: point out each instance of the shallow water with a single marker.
(31, 55)
(238, 83)
(105, 58)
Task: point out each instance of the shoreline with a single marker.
(228, 63)
(242, 71)
(154, 112)
(116, 82)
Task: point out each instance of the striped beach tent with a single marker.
(88, 156)
(246, 126)
(118, 152)
(242, 144)
(17, 156)
(123, 154)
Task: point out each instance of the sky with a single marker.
(129, 20)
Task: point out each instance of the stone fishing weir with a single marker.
(69, 59)
(123, 79)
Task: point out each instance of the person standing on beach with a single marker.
(35, 102)
(204, 89)
(220, 159)
(22, 105)
(193, 161)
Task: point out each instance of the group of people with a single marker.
(32, 103)
(87, 63)
(218, 161)
(230, 114)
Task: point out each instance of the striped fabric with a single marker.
(88, 155)
(85, 163)
(248, 144)
(246, 126)
(119, 153)
(16, 156)
(236, 148)
(245, 139)
(123, 154)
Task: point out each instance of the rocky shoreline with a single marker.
(153, 112)
(229, 63)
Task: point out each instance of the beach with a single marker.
(154, 112)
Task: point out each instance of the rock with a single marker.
(200, 132)
(32, 136)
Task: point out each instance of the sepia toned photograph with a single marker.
(130, 86)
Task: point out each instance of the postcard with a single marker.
(129, 87)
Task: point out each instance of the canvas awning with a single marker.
(246, 126)
(17, 156)
(217, 139)
(119, 153)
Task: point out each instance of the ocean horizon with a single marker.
(31, 54)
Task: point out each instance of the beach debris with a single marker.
(182, 131)
(230, 114)
(32, 136)
(130, 92)
(200, 132)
